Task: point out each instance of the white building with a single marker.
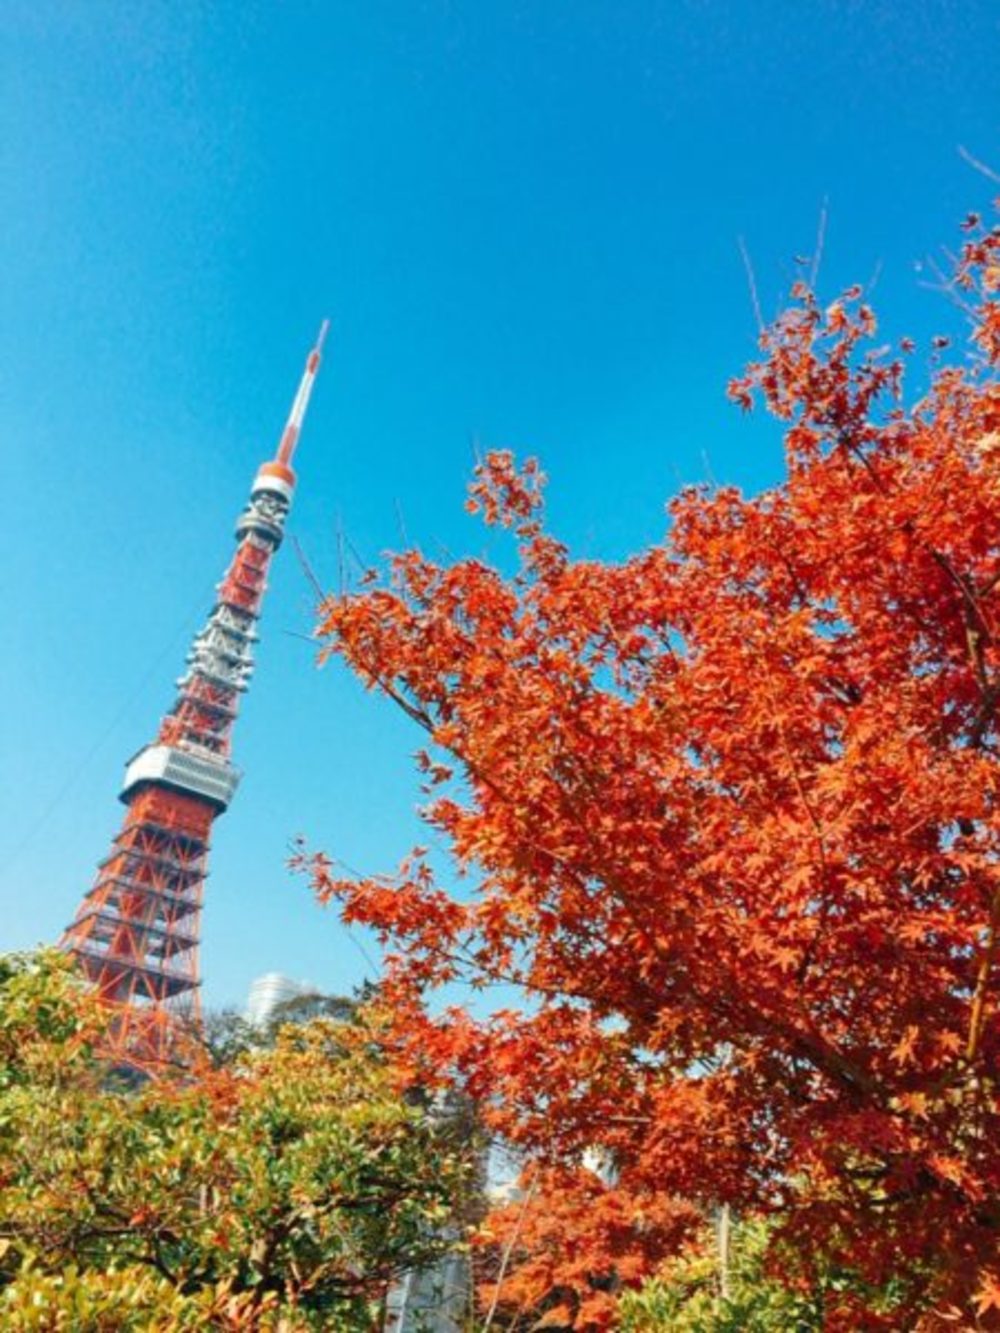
(435, 1301)
(270, 991)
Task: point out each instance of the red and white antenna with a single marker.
(290, 436)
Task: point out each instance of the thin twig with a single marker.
(340, 554)
(820, 238)
(353, 550)
(751, 283)
(946, 286)
(401, 524)
(976, 165)
(308, 570)
(872, 282)
(509, 1249)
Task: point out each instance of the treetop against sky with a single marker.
(524, 221)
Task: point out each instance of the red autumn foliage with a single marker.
(563, 1249)
(730, 814)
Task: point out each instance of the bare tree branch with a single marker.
(751, 283)
(976, 165)
(308, 570)
(820, 239)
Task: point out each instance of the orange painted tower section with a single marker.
(136, 933)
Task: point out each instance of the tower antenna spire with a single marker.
(137, 931)
(293, 426)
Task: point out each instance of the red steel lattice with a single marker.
(136, 933)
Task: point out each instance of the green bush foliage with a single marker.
(285, 1190)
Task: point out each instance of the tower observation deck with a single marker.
(136, 933)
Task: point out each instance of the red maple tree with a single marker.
(729, 815)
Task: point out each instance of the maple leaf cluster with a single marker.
(728, 812)
(618, 1236)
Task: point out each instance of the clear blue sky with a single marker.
(523, 221)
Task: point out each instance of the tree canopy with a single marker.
(286, 1190)
(728, 815)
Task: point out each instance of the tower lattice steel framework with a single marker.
(136, 933)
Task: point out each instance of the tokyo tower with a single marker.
(136, 933)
